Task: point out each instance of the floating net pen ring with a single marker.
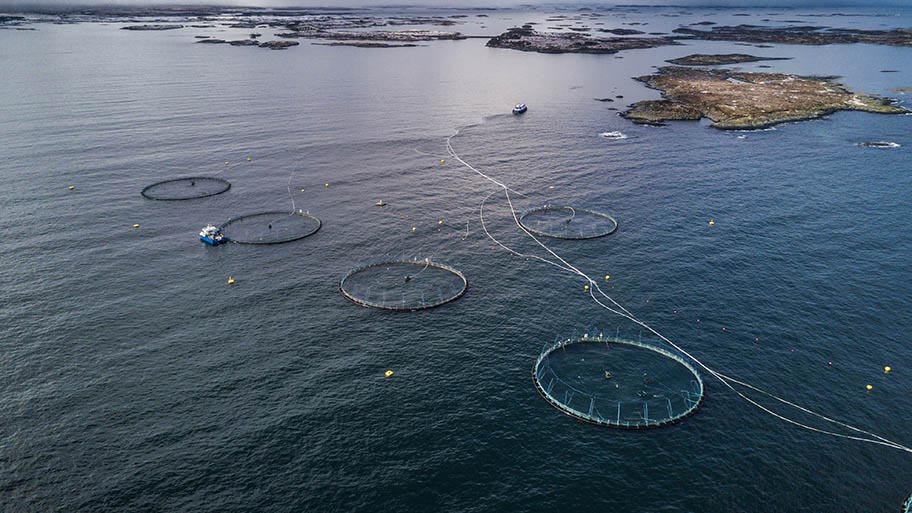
(273, 227)
(188, 188)
(564, 222)
(403, 285)
(609, 391)
(907, 505)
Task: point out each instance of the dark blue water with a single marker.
(135, 379)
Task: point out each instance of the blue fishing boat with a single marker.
(212, 236)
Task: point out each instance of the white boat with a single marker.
(613, 135)
(520, 108)
(212, 235)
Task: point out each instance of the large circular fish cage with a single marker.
(403, 285)
(191, 187)
(564, 222)
(625, 384)
(907, 505)
(274, 227)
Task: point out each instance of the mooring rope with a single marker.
(564, 265)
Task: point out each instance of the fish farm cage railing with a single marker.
(690, 398)
(362, 297)
(560, 228)
(186, 188)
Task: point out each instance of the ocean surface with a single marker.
(133, 378)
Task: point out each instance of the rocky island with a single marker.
(152, 27)
(699, 59)
(272, 45)
(742, 100)
(529, 40)
(367, 44)
(407, 36)
(800, 35)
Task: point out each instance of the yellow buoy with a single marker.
(414, 228)
(585, 287)
(325, 185)
(440, 222)
(712, 223)
(870, 387)
(887, 369)
(230, 280)
(302, 189)
(607, 277)
(248, 159)
(136, 225)
(550, 186)
(388, 373)
(442, 161)
(72, 187)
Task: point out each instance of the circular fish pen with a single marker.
(403, 285)
(270, 227)
(907, 505)
(191, 187)
(564, 222)
(617, 383)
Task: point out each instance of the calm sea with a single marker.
(133, 378)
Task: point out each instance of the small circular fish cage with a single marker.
(617, 383)
(191, 187)
(403, 285)
(270, 227)
(564, 222)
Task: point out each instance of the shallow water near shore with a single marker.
(135, 379)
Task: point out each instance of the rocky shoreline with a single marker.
(745, 101)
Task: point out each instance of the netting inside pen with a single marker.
(192, 187)
(403, 285)
(270, 227)
(564, 222)
(616, 382)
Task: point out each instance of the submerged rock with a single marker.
(742, 100)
